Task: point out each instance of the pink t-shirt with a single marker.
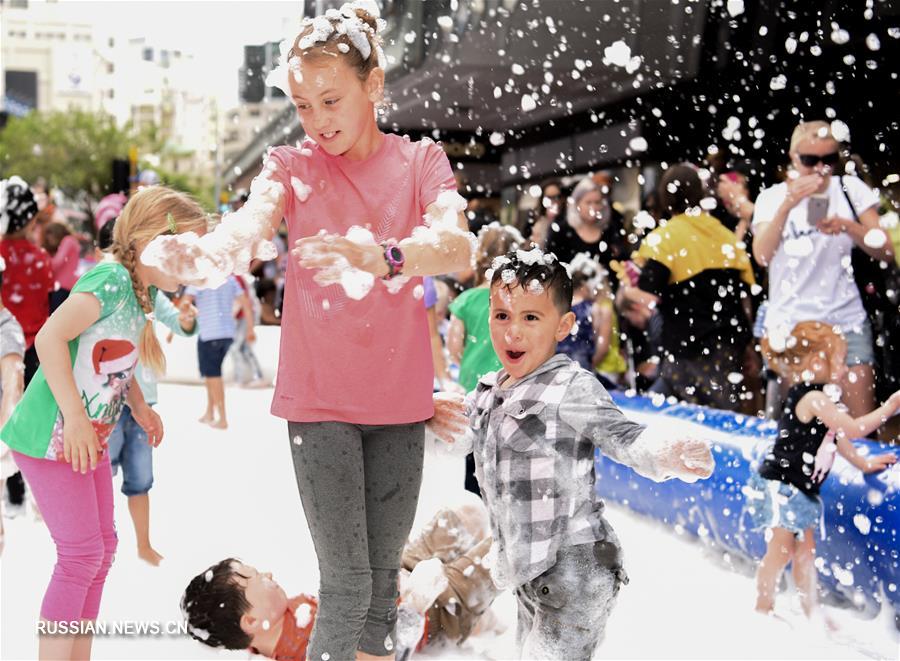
(65, 262)
(343, 360)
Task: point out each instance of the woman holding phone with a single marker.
(804, 230)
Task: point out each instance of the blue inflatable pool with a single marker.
(857, 556)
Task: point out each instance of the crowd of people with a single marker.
(721, 296)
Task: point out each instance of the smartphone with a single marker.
(817, 209)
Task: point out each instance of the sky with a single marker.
(215, 32)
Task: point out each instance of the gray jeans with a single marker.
(563, 612)
(359, 485)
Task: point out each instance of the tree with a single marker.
(72, 150)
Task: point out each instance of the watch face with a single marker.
(396, 255)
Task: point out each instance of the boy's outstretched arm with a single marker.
(590, 411)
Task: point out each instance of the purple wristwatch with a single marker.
(393, 257)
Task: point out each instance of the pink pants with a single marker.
(78, 510)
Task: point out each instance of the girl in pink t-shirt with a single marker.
(355, 372)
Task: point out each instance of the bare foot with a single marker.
(149, 554)
(219, 424)
(206, 419)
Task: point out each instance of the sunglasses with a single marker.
(811, 160)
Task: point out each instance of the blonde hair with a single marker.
(330, 46)
(145, 217)
(807, 340)
(585, 186)
(494, 240)
(815, 130)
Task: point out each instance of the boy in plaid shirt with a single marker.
(535, 425)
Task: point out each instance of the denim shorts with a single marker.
(129, 449)
(860, 350)
(210, 354)
(774, 504)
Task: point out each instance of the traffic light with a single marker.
(253, 74)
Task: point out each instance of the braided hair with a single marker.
(149, 213)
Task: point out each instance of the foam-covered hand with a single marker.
(688, 459)
(332, 252)
(425, 584)
(449, 421)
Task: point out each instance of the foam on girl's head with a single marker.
(350, 32)
(788, 354)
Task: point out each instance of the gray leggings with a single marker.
(359, 485)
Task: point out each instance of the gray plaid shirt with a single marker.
(534, 458)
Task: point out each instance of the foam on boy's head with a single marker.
(213, 605)
(536, 272)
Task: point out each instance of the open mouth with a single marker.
(514, 355)
(329, 135)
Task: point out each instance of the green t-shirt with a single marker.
(472, 307)
(103, 361)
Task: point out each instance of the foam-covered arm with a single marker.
(439, 246)
(589, 410)
(207, 261)
(661, 459)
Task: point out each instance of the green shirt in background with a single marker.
(472, 307)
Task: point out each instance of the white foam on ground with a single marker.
(212, 487)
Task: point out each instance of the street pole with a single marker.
(217, 191)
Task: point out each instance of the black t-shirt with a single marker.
(700, 285)
(564, 242)
(792, 459)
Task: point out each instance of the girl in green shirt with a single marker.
(58, 432)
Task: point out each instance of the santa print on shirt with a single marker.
(103, 389)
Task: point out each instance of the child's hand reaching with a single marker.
(894, 402)
(879, 462)
(688, 459)
(150, 422)
(80, 445)
(449, 418)
(187, 315)
(824, 457)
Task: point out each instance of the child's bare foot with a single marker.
(219, 424)
(149, 554)
(770, 612)
(206, 419)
